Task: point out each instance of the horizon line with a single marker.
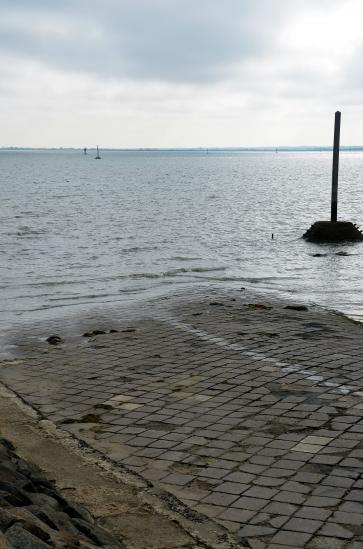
(322, 148)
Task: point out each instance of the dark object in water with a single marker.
(54, 340)
(343, 254)
(258, 306)
(94, 333)
(333, 231)
(296, 307)
(319, 255)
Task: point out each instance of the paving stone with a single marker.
(328, 491)
(280, 508)
(252, 468)
(278, 521)
(321, 542)
(252, 504)
(238, 515)
(291, 539)
(351, 507)
(309, 478)
(255, 531)
(340, 482)
(307, 448)
(335, 530)
(213, 472)
(209, 510)
(268, 481)
(355, 495)
(303, 525)
(232, 488)
(178, 479)
(314, 513)
(348, 518)
(326, 459)
(289, 464)
(292, 486)
(260, 492)
(290, 497)
(311, 439)
(321, 501)
(243, 478)
(218, 498)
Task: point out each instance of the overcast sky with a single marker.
(174, 73)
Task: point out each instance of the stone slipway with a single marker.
(122, 511)
(245, 413)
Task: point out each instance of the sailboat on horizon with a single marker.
(98, 157)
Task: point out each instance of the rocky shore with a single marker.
(33, 514)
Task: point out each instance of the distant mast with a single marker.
(97, 157)
(85, 150)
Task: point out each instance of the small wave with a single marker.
(175, 272)
(182, 258)
(55, 283)
(77, 297)
(139, 249)
(207, 269)
(142, 275)
(227, 278)
(28, 232)
(256, 280)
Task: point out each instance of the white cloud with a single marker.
(179, 73)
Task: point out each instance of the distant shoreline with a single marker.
(308, 148)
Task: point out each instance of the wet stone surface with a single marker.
(33, 515)
(249, 413)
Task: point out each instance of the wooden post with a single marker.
(334, 189)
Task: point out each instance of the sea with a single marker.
(76, 232)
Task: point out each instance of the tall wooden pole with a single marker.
(334, 188)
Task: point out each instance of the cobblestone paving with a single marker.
(250, 415)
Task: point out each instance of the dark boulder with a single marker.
(19, 538)
(333, 231)
(54, 340)
(297, 307)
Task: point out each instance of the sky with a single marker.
(180, 73)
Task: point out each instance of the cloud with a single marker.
(179, 72)
(173, 40)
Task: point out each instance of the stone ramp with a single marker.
(248, 413)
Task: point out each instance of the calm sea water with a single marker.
(75, 231)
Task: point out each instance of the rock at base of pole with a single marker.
(333, 231)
